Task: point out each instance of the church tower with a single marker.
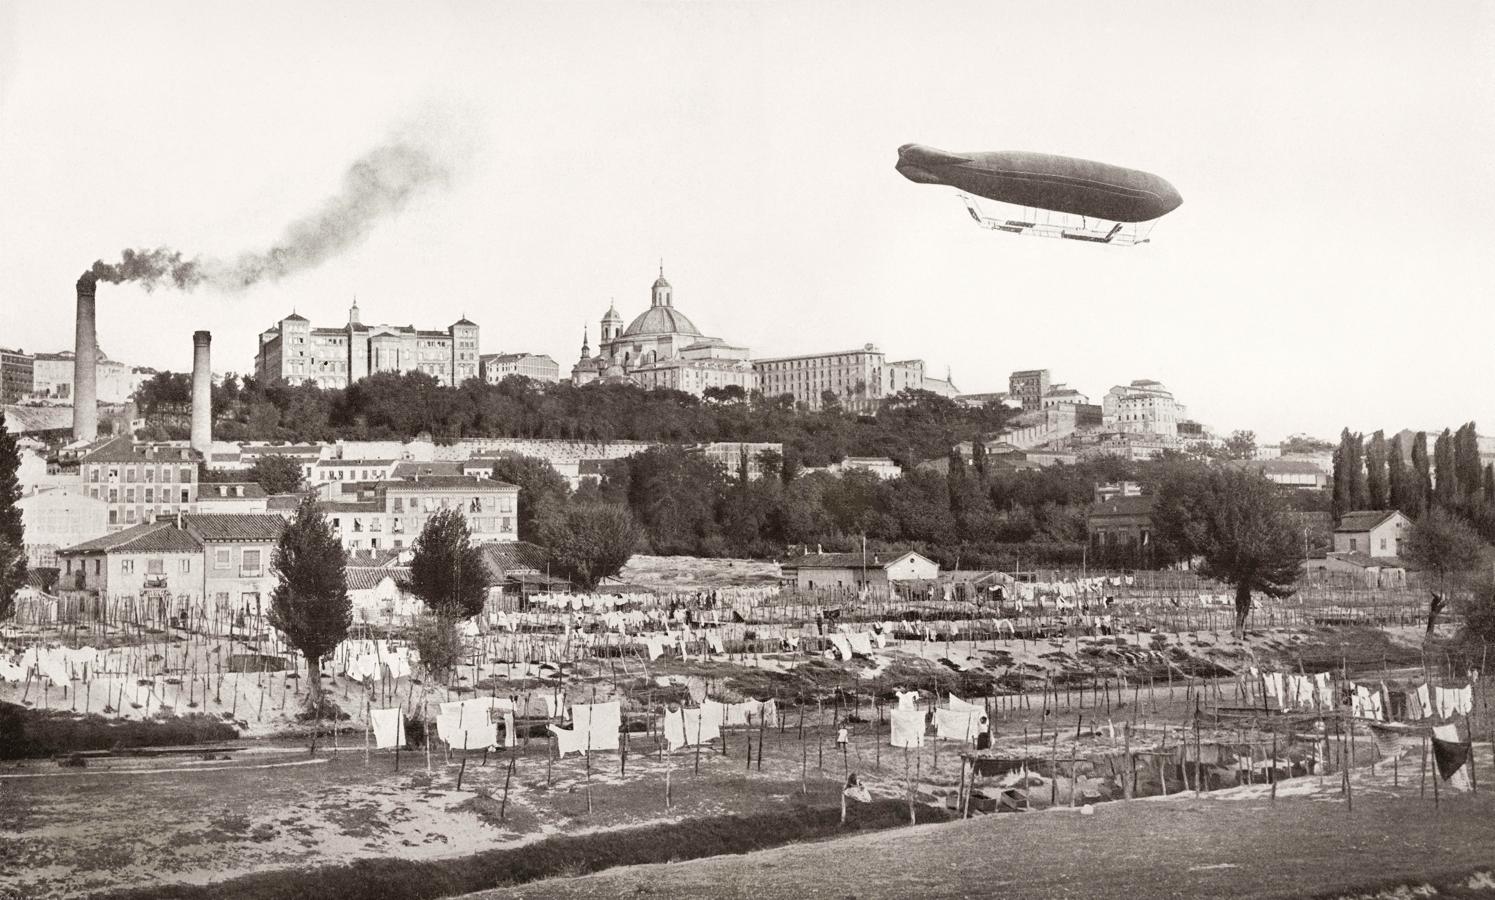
(661, 293)
(612, 326)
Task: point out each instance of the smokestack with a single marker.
(85, 365)
(202, 393)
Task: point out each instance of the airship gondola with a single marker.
(1047, 195)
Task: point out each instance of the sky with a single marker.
(1330, 266)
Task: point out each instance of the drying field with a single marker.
(1077, 719)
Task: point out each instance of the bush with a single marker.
(33, 733)
(568, 855)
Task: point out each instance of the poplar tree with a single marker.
(448, 571)
(1399, 480)
(1446, 488)
(1375, 472)
(1422, 476)
(1359, 493)
(310, 604)
(1467, 465)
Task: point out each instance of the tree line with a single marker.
(910, 427)
(1380, 474)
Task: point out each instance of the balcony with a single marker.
(154, 582)
(248, 572)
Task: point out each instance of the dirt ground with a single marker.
(1231, 844)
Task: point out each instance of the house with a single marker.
(139, 482)
(1372, 532)
(1373, 571)
(152, 570)
(389, 515)
(236, 553)
(517, 569)
(381, 595)
(1121, 525)
(876, 570)
(1293, 473)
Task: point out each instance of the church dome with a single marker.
(660, 320)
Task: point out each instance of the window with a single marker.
(186, 565)
(252, 560)
(98, 567)
(155, 566)
(222, 558)
(1383, 543)
(184, 495)
(1354, 544)
(126, 566)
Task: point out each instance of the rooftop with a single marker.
(1123, 506)
(879, 559)
(448, 482)
(160, 536)
(1364, 520)
(262, 528)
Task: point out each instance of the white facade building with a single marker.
(1142, 407)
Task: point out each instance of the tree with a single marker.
(1359, 492)
(310, 604)
(1448, 552)
(1238, 523)
(276, 473)
(1376, 486)
(1422, 476)
(1399, 480)
(1467, 464)
(12, 529)
(1241, 445)
(1446, 488)
(591, 541)
(541, 489)
(448, 571)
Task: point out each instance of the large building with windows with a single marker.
(495, 367)
(859, 380)
(295, 351)
(17, 374)
(662, 349)
(140, 483)
(1142, 407)
(389, 515)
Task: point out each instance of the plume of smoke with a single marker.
(379, 184)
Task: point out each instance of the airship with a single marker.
(1047, 195)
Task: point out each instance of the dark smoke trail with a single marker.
(378, 185)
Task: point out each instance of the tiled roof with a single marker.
(1123, 506)
(355, 462)
(1281, 466)
(283, 502)
(1364, 520)
(161, 536)
(366, 578)
(513, 557)
(407, 470)
(260, 528)
(124, 449)
(331, 506)
(876, 560)
(446, 482)
(1366, 561)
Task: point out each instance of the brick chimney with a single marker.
(85, 365)
(202, 393)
